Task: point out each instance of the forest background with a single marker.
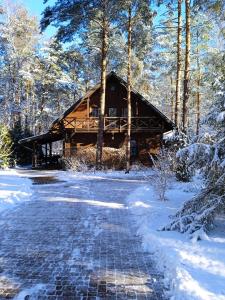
(40, 77)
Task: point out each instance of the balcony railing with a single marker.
(113, 124)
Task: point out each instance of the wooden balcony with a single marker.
(113, 124)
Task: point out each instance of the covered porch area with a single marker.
(44, 154)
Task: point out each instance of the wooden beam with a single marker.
(88, 111)
(88, 107)
(34, 156)
(46, 154)
(50, 149)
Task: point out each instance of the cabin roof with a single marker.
(91, 91)
(51, 136)
(43, 138)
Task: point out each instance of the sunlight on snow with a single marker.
(140, 204)
(90, 202)
(218, 240)
(193, 288)
(126, 282)
(204, 263)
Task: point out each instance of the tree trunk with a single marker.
(172, 98)
(178, 80)
(103, 88)
(187, 67)
(198, 98)
(128, 93)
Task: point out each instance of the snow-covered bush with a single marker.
(197, 215)
(85, 159)
(163, 171)
(183, 170)
(176, 143)
(5, 146)
(75, 164)
(114, 158)
(138, 166)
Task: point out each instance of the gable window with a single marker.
(95, 112)
(113, 88)
(124, 112)
(112, 112)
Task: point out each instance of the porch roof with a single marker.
(41, 139)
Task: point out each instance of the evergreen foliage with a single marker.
(20, 155)
(197, 215)
(5, 146)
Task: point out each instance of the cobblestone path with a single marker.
(75, 240)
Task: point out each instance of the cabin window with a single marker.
(113, 88)
(112, 112)
(124, 112)
(95, 112)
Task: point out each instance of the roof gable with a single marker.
(91, 91)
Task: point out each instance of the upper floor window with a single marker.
(95, 112)
(112, 112)
(113, 88)
(124, 112)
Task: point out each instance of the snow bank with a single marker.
(25, 294)
(13, 189)
(133, 174)
(193, 270)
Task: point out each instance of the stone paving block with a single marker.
(76, 243)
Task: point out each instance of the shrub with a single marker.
(5, 146)
(176, 143)
(183, 169)
(163, 167)
(75, 164)
(113, 158)
(85, 159)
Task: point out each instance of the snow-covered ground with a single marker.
(13, 189)
(193, 270)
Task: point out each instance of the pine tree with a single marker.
(178, 77)
(136, 15)
(129, 45)
(19, 35)
(79, 14)
(5, 146)
(186, 90)
(197, 215)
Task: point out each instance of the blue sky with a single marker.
(36, 7)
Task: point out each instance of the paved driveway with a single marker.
(75, 240)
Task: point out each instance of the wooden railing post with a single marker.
(118, 124)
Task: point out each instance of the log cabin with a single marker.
(78, 126)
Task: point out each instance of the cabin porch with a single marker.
(46, 155)
(111, 124)
(43, 153)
